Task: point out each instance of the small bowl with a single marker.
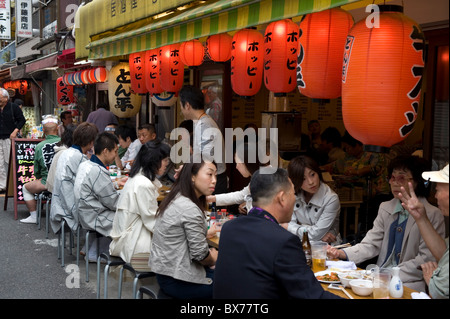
(345, 277)
(361, 287)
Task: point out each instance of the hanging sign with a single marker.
(24, 23)
(64, 92)
(123, 103)
(5, 19)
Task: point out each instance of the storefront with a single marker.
(121, 33)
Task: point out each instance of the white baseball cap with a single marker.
(437, 176)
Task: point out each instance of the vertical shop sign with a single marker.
(5, 19)
(24, 18)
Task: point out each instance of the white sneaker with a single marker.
(29, 220)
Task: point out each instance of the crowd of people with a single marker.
(260, 253)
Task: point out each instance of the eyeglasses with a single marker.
(400, 179)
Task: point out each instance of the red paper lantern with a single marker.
(321, 46)
(280, 56)
(171, 68)
(219, 47)
(23, 87)
(137, 68)
(84, 77)
(247, 62)
(100, 74)
(64, 92)
(91, 76)
(192, 52)
(151, 73)
(382, 79)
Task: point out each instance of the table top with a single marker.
(214, 242)
(406, 293)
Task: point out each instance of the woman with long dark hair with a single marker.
(136, 210)
(180, 255)
(317, 206)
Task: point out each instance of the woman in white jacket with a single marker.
(135, 216)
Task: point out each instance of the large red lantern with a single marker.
(321, 47)
(280, 58)
(382, 79)
(137, 68)
(192, 52)
(64, 92)
(171, 68)
(151, 72)
(247, 62)
(219, 47)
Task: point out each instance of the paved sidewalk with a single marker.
(30, 269)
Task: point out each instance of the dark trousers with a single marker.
(180, 289)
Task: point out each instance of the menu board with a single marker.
(21, 163)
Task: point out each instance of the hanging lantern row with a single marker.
(22, 86)
(89, 76)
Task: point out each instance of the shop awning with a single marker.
(48, 61)
(213, 18)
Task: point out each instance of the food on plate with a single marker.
(332, 276)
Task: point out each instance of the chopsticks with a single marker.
(343, 246)
(345, 292)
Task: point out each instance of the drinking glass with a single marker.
(319, 255)
(381, 280)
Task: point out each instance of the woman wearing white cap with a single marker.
(435, 274)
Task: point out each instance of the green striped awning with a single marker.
(211, 18)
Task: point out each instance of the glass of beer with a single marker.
(319, 255)
(381, 280)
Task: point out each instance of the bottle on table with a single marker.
(307, 248)
(396, 285)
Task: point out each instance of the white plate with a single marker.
(326, 272)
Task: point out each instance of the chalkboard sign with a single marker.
(21, 163)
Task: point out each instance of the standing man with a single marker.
(43, 157)
(214, 105)
(102, 117)
(11, 122)
(207, 134)
(66, 119)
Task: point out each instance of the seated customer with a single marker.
(135, 217)
(63, 197)
(180, 255)
(395, 238)
(95, 194)
(435, 274)
(43, 157)
(258, 259)
(127, 140)
(317, 206)
(64, 144)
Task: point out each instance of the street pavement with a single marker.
(30, 268)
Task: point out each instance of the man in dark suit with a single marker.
(259, 259)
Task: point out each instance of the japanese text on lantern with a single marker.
(418, 43)
(123, 100)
